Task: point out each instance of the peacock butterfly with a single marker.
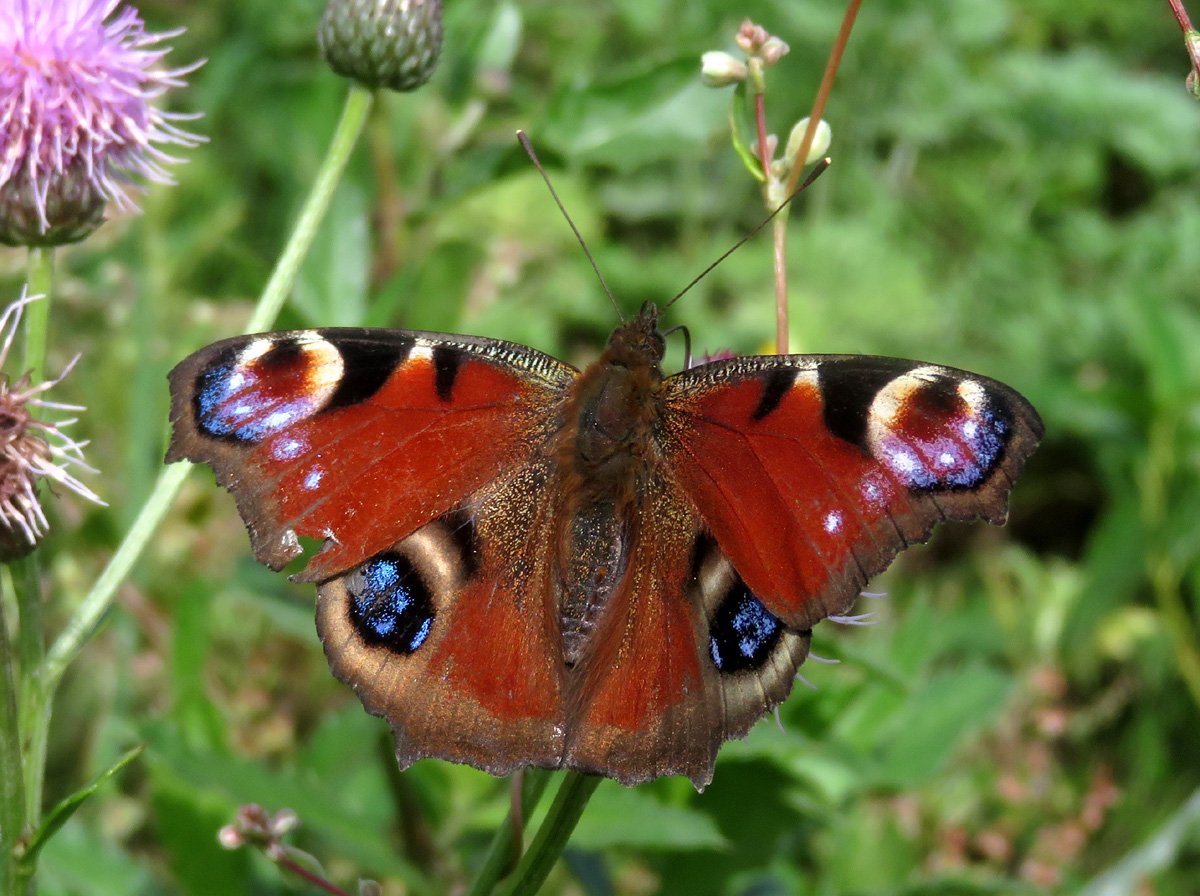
(606, 570)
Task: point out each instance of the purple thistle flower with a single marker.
(30, 449)
(76, 122)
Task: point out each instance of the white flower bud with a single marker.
(720, 69)
(820, 145)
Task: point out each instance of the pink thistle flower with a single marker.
(77, 124)
(31, 449)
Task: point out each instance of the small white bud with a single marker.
(230, 837)
(773, 50)
(820, 145)
(720, 69)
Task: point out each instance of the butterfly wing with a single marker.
(452, 634)
(781, 485)
(658, 691)
(416, 456)
(812, 473)
(357, 437)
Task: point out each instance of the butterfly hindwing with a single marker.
(683, 657)
(357, 436)
(451, 635)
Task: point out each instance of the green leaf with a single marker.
(639, 116)
(937, 720)
(619, 816)
(58, 816)
(739, 114)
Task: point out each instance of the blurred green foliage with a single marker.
(1013, 191)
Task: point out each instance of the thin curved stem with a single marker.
(85, 619)
(818, 106)
(12, 777)
(283, 278)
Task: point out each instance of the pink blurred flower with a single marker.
(77, 124)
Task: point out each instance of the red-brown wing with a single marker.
(812, 473)
(358, 437)
(682, 658)
(452, 634)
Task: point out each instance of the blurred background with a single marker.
(1013, 191)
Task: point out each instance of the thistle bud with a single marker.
(31, 450)
(70, 209)
(382, 43)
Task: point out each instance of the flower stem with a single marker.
(85, 619)
(283, 278)
(1191, 37)
(40, 277)
(779, 263)
(12, 778)
(570, 801)
(31, 649)
(505, 846)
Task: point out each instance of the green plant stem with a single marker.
(551, 839)
(85, 619)
(40, 279)
(12, 778)
(504, 847)
(349, 127)
(779, 265)
(31, 648)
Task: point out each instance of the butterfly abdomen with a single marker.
(605, 454)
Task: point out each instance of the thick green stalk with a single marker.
(40, 279)
(551, 839)
(31, 649)
(505, 849)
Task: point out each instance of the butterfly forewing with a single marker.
(813, 472)
(354, 436)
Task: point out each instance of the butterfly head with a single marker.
(638, 341)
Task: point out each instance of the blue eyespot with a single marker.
(390, 604)
(743, 632)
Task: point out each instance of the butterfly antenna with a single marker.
(523, 139)
(817, 171)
